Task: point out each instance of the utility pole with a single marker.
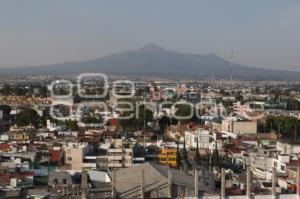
(223, 183)
(142, 184)
(298, 182)
(274, 182)
(170, 183)
(196, 183)
(231, 68)
(248, 182)
(113, 187)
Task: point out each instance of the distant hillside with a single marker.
(157, 61)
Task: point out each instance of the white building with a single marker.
(203, 137)
(288, 148)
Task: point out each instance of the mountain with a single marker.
(154, 60)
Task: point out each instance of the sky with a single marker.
(261, 33)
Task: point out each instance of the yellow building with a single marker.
(167, 157)
(18, 136)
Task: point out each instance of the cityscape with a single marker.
(147, 121)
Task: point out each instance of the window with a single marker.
(69, 158)
(64, 181)
(282, 168)
(275, 164)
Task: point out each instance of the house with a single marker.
(288, 148)
(200, 135)
(167, 157)
(239, 126)
(177, 131)
(56, 155)
(74, 154)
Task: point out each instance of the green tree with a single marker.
(287, 127)
(5, 109)
(178, 157)
(184, 110)
(71, 125)
(197, 158)
(184, 153)
(28, 117)
(239, 97)
(90, 120)
(163, 123)
(140, 115)
(6, 89)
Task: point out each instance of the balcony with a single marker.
(114, 164)
(114, 157)
(89, 165)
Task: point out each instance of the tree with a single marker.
(19, 91)
(215, 158)
(163, 123)
(197, 158)
(136, 122)
(6, 89)
(71, 125)
(287, 127)
(28, 117)
(239, 97)
(5, 109)
(43, 91)
(90, 120)
(184, 110)
(178, 157)
(184, 153)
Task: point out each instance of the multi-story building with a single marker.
(74, 154)
(119, 157)
(202, 136)
(167, 157)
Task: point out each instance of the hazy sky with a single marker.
(262, 33)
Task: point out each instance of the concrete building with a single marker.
(201, 135)
(288, 148)
(167, 157)
(119, 158)
(74, 154)
(240, 127)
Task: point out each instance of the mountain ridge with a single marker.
(152, 59)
